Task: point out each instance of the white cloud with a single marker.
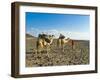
(72, 35)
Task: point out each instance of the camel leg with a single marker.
(38, 50)
(47, 50)
(62, 45)
(59, 43)
(39, 47)
(62, 48)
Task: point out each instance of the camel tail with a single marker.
(72, 44)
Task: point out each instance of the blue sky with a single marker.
(71, 25)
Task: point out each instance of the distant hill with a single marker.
(29, 36)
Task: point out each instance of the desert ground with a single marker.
(56, 57)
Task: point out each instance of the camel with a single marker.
(61, 42)
(43, 42)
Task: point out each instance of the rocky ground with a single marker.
(55, 56)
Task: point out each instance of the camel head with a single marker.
(68, 38)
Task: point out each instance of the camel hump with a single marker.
(61, 36)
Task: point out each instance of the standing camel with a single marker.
(44, 42)
(61, 42)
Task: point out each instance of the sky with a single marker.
(74, 26)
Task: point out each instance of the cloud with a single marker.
(79, 35)
(33, 31)
(72, 35)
